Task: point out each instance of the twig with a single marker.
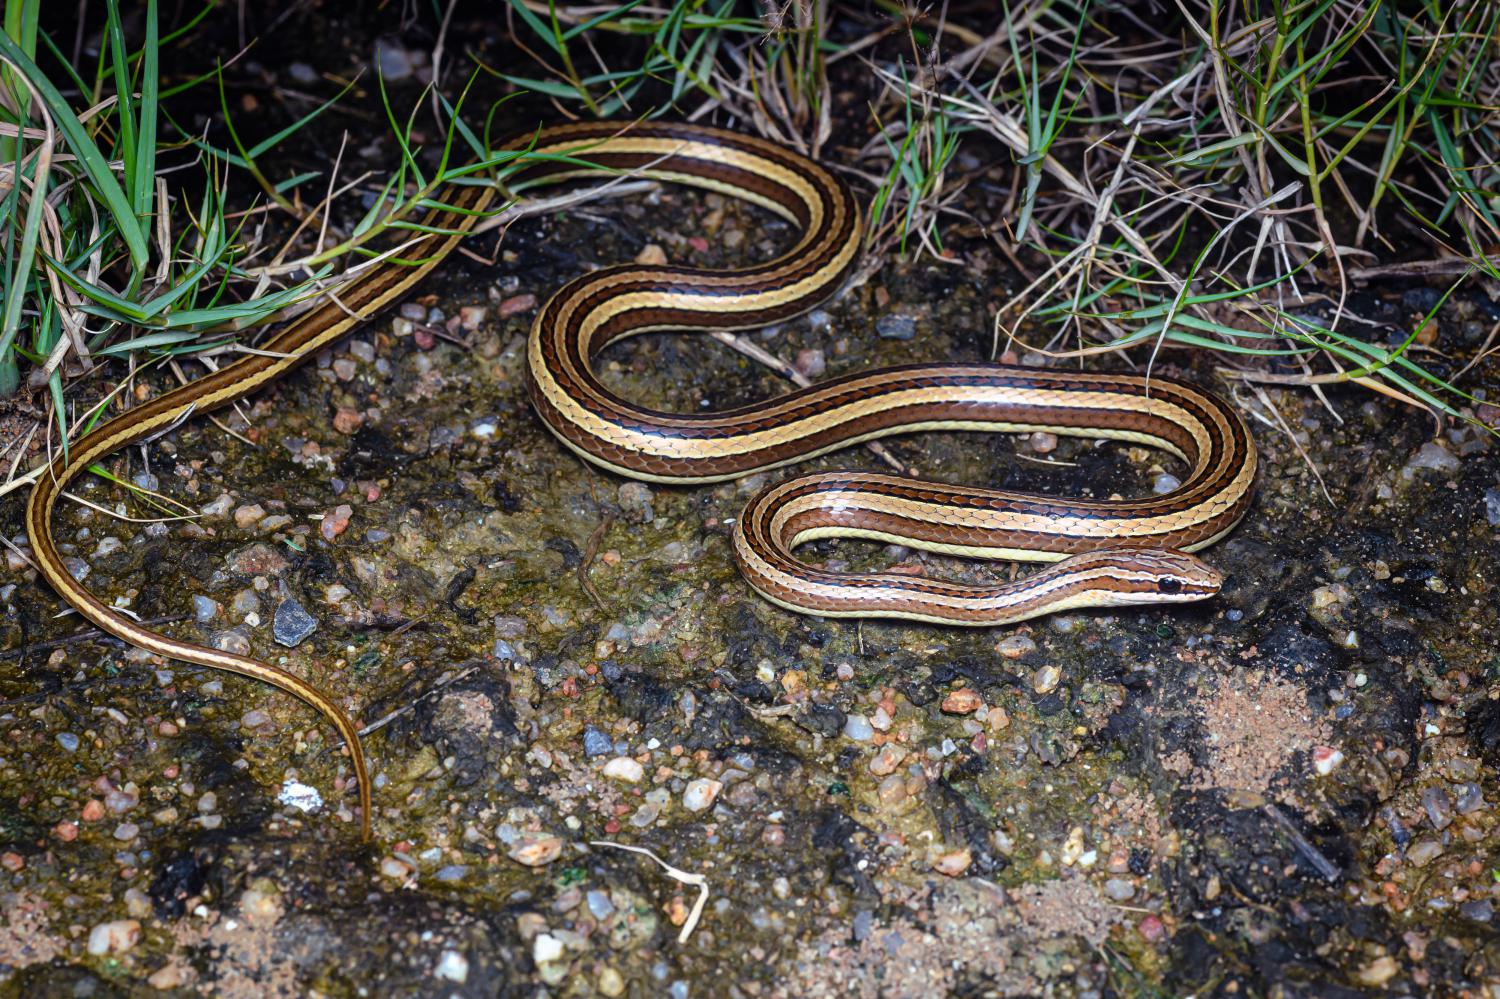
(762, 356)
(381, 723)
(1316, 857)
(590, 551)
(677, 874)
(87, 635)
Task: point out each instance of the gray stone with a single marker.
(292, 623)
(596, 743)
(896, 327)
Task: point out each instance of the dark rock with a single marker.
(961, 823)
(292, 624)
(572, 557)
(471, 723)
(1483, 726)
(177, 880)
(822, 719)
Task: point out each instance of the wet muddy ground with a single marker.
(1289, 790)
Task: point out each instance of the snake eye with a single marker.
(1169, 585)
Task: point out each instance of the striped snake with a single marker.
(1102, 552)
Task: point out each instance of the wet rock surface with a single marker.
(1290, 788)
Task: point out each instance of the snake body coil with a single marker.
(1106, 552)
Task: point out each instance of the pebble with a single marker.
(114, 937)
(611, 983)
(1423, 852)
(302, 797)
(700, 793)
(1378, 971)
(121, 801)
(452, 967)
(395, 62)
(137, 903)
(205, 609)
(536, 850)
(858, 728)
(600, 906)
(1433, 456)
(546, 948)
(68, 741)
(1470, 799)
(394, 867)
(1043, 442)
(336, 523)
(1072, 848)
(1046, 679)
(1481, 910)
(1151, 928)
(1165, 483)
(892, 790)
(896, 327)
(1015, 646)
(1119, 889)
(624, 768)
(516, 305)
(1067, 624)
(126, 831)
(1325, 759)
(218, 507)
(963, 701)
(1439, 807)
(811, 362)
(231, 641)
(887, 760)
(292, 624)
(635, 502)
(651, 255)
(953, 863)
(1492, 506)
(248, 516)
(596, 743)
(255, 718)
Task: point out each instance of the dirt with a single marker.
(1163, 821)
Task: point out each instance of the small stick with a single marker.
(88, 634)
(677, 874)
(380, 723)
(590, 551)
(762, 356)
(1325, 867)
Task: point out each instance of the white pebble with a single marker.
(1325, 759)
(624, 768)
(546, 948)
(453, 967)
(114, 937)
(700, 794)
(300, 796)
(858, 728)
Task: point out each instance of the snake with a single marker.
(1112, 552)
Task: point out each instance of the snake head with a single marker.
(1123, 576)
